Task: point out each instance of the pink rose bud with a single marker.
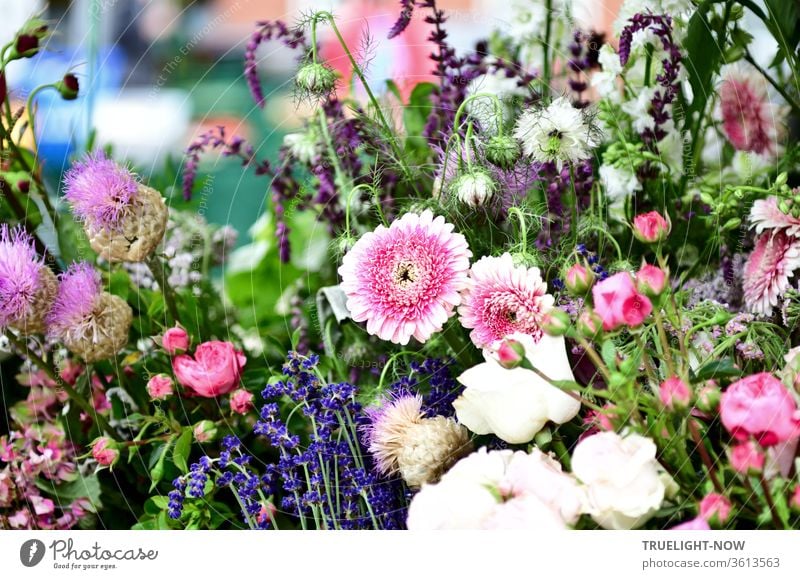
(555, 322)
(618, 303)
(708, 397)
(105, 452)
(510, 354)
(794, 502)
(241, 401)
(578, 279)
(674, 393)
(205, 431)
(715, 509)
(747, 458)
(159, 387)
(651, 227)
(589, 323)
(651, 280)
(175, 341)
(214, 370)
(762, 407)
(696, 524)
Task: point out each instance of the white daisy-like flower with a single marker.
(619, 182)
(303, 146)
(556, 133)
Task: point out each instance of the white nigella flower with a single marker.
(639, 109)
(605, 80)
(557, 133)
(670, 148)
(474, 187)
(619, 182)
(303, 145)
(528, 19)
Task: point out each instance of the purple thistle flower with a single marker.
(19, 274)
(100, 191)
(78, 291)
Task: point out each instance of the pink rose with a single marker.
(696, 524)
(104, 451)
(159, 387)
(674, 393)
(715, 509)
(578, 279)
(175, 341)
(618, 303)
(762, 407)
(241, 401)
(747, 458)
(510, 353)
(651, 280)
(214, 370)
(650, 227)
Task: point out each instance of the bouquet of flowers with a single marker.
(552, 289)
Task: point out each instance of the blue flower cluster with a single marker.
(442, 389)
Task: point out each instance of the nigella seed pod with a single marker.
(123, 219)
(315, 78)
(475, 187)
(503, 151)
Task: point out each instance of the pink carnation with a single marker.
(214, 370)
(762, 407)
(503, 299)
(618, 303)
(748, 116)
(766, 274)
(405, 280)
(19, 274)
(79, 290)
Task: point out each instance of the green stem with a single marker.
(770, 502)
(158, 271)
(704, 456)
(546, 48)
(523, 227)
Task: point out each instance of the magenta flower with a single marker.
(766, 274)
(696, 524)
(716, 509)
(405, 280)
(100, 191)
(79, 291)
(21, 277)
(749, 119)
(747, 458)
(215, 369)
(674, 393)
(503, 299)
(618, 303)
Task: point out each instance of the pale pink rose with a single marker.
(618, 303)
(747, 458)
(175, 341)
(674, 393)
(715, 509)
(241, 401)
(651, 280)
(105, 452)
(762, 407)
(696, 524)
(159, 387)
(214, 370)
(650, 227)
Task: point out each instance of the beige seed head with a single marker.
(107, 330)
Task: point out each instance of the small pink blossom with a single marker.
(696, 524)
(716, 509)
(105, 451)
(651, 227)
(510, 353)
(175, 341)
(241, 401)
(674, 393)
(159, 387)
(205, 431)
(214, 370)
(747, 458)
(578, 279)
(20, 520)
(651, 280)
(762, 407)
(618, 303)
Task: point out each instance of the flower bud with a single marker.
(708, 398)
(651, 280)
(510, 354)
(3, 86)
(68, 87)
(794, 502)
(175, 341)
(589, 323)
(555, 322)
(474, 187)
(105, 451)
(160, 387)
(502, 151)
(315, 78)
(28, 40)
(747, 458)
(578, 279)
(651, 227)
(241, 401)
(716, 509)
(205, 431)
(674, 393)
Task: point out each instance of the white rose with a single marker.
(625, 484)
(516, 404)
(501, 489)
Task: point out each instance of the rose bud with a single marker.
(578, 279)
(160, 387)
(651, 280)
(105, 451)
(715, 509)
(589, 323)
(510, 354)
(794, 502)
(747, 458)
(205, 431)
(241, 401)
(651, 227)
(674, 393)
(68, 87)
(708, 397)
(175, 341)
(555, 322)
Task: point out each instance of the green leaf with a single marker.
(119, 283)
(784, 14)
(156, 308)
(392, 87)
(82, 487)
(72, 241)
(724, 368)
(703, 59)
(609, 353)
(182, 449)
(415, 117)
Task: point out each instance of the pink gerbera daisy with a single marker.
(405, 280)
(503, 299)
(768, 269)
(748, 116)
(765, 214)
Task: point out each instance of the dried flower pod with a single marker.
(111, 322)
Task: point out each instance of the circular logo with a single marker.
(32, 552)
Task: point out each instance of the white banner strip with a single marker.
(373, 555)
